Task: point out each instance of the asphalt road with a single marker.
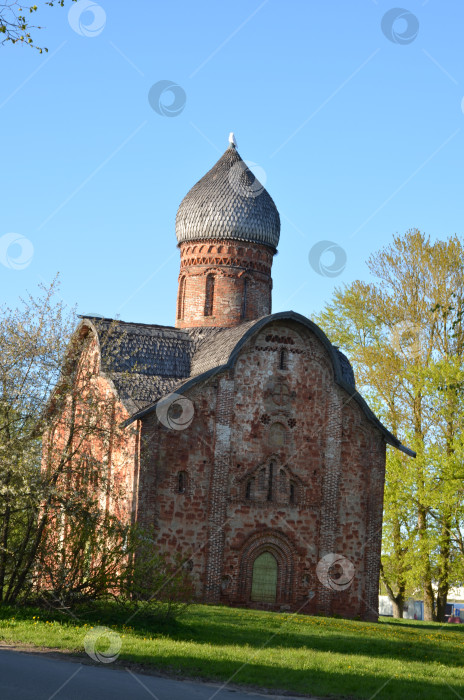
(26, 676)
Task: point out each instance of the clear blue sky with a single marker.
(360, 137)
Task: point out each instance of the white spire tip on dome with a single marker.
(232, 140)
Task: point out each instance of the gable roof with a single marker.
(146, 362)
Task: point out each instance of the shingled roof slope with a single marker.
(144, 349)
(215, 350)
(137, 391)
(345, 366)
(147, 362)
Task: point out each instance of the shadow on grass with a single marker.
(219, 626)
(420, 624)
(317, 681)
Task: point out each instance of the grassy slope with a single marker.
(323, 656)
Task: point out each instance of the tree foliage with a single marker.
(66, 532)
(404, 334)
(16, 22)
(33, 340)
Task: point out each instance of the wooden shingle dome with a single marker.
(228, 203)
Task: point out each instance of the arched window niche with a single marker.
(181, 299)
(283, 359)
(292, 494)
(209, 295)
(249, 491)
(277, 435)
(270, 483)
(181, 486)
(246, 291)
(264, 579)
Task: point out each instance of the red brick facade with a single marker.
(326, 494)
(278, 458)
(223, 283)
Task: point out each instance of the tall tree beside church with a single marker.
(448, 378)
(50, 506)
(33, 338)
(403, 333)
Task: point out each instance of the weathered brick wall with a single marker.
(240, 275)
(181, 520)
(279, 459)
(104, 456)
(112, 448)
(360, 506)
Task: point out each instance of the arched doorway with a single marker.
(264, 579)
(276, 546)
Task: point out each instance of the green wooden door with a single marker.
(264, 582)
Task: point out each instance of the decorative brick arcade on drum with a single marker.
(249, 451)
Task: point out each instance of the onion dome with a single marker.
(229, 203)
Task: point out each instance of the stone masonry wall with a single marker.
(279, 459)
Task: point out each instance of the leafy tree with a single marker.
(33, 339)
(404, 335)
(65, 527)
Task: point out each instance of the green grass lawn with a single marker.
(307, 655)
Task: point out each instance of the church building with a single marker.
(249, 451)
